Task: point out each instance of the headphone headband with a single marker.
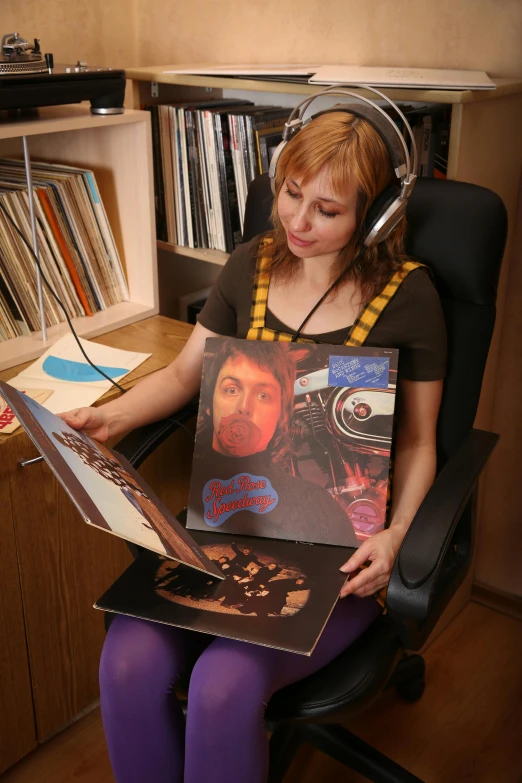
(392, 203)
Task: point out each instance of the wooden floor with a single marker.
(467, 728)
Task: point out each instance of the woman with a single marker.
(327, 178)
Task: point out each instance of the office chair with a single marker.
(459, 231)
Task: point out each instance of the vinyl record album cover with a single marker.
(275, 593)
(103, 486)
(293, 441)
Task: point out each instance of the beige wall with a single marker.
(103, 32)
(481, 34)
(484, 34)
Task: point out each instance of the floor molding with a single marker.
(497, 599)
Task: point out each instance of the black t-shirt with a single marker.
(413, 321)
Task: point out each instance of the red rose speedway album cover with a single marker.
(293, 441)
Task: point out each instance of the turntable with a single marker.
(29, 79)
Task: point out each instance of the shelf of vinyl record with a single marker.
(208, 145)
(94, 202)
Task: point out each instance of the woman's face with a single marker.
(317, 221)
(246, 407)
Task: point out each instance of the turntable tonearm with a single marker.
(29, 79)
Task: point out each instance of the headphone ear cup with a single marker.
(379, 207)
(273, 164)
(290, 130)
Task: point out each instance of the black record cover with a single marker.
(275, 593)
(258, 121)
(159, 195)
(197, 175)
(267, 141)
(194, 185)
(293, 441)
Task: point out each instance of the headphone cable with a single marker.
(56, 297)
(336, 282)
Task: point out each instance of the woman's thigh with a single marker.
(229, 672)
(141, 656)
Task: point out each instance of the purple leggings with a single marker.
(224, 738)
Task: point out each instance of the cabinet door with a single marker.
(17, 730)
(65, 565)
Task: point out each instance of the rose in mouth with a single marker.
(238, 435)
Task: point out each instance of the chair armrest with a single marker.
(140, 443)
(434, 523)
(436, 554)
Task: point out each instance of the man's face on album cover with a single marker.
(246, 407)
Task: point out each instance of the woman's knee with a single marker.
(136, 651)
(228, 680)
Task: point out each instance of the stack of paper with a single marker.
(419, 78)
(71, 381)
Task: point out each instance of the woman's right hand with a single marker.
(93, 421)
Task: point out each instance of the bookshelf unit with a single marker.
(118, 149)
(484, 142)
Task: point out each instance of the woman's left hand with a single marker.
(380, 550)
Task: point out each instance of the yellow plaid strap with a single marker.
(258, 329)
(373, 311)
(260, 289)
(359, 331)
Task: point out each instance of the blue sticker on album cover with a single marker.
(222, 499)
(359, 371)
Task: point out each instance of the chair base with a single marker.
(340, 744)
(408, 677)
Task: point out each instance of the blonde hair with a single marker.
(350, 150)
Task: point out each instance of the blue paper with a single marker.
(79, 372)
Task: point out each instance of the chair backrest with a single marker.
(459, 231)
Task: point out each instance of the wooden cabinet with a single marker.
(54, 567)
(17, 729)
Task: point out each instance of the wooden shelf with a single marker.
(203, 254)
(118, 149)
(57, 119)
(24, 349)
(157, 74)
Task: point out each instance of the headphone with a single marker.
(390, 205)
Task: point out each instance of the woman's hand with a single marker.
(93, 421)
(380, 550)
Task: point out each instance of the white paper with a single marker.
(77, 391)
(424, 78)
